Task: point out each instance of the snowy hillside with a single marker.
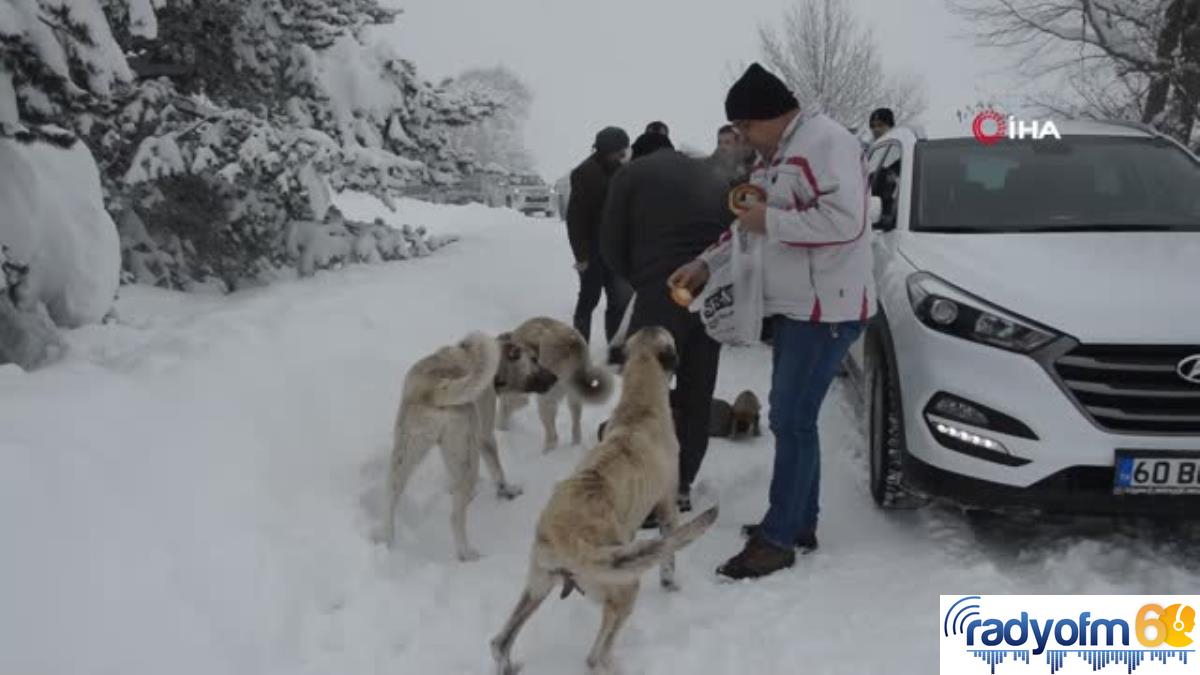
(191, 491)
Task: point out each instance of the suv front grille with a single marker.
(1133, 389)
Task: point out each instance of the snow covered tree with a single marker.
(831, 62)
(220, 124)
(499, 140)
(57, 57)
(1135, 59)
(59, 260)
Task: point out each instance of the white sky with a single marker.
(592, 63)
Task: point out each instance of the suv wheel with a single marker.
(886, 435)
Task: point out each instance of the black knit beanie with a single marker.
(884, 115)
(650, 142)
(758, 95)
(611, 139)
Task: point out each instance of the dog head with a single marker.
(655, 342)
(519, 369)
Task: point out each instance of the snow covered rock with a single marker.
(52, 219)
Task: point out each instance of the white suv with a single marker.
(1038, 342)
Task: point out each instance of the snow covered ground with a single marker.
(191, 491)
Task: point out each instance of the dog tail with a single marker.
(483, 358)
(627, 562)
(592, 383)
(573, 364)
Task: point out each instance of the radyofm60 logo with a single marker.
(1068, 634)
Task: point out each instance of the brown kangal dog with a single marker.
(560, 349)
(585, 535)
(450, 401)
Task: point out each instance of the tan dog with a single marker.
(450, 401)
(585, 536)
(562, 350)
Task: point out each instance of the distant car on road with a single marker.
(529, 194)
(479, 188)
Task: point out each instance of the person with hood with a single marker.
(589, 188)
(819, 292)
(664, 209)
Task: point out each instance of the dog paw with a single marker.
(550, 446)
(469, 555)
(670, 585)
(508, 491)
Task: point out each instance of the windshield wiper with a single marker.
(952, 229)
(1101, 228)
(1055, 229)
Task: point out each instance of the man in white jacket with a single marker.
(819, 293)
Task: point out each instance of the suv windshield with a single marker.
(1079, 183)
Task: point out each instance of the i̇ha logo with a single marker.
(990, 126)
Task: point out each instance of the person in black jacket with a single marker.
(663, 210)
(589, 187)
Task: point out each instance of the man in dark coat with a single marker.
(589, 187)
(663, 210)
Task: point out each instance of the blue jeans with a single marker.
(805, 360)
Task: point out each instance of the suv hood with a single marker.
(1097, 287)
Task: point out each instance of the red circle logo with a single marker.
(989, 133)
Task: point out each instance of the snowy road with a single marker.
(192, 491)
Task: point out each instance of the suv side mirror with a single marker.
(875, 210)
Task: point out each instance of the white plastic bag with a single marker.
(731, 304)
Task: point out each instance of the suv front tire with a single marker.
(886, 425)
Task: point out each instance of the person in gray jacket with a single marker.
(664, 209)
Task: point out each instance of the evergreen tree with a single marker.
(218, 125)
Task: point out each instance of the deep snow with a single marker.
(191, 491)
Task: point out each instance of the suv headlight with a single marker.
(946, 309)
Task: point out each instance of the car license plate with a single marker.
(1157, 472)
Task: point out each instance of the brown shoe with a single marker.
(758, 559)
(806, 542)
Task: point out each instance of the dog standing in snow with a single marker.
(450, 401)
(585, 535)
(562, 350)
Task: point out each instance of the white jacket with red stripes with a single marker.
(817, 259)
